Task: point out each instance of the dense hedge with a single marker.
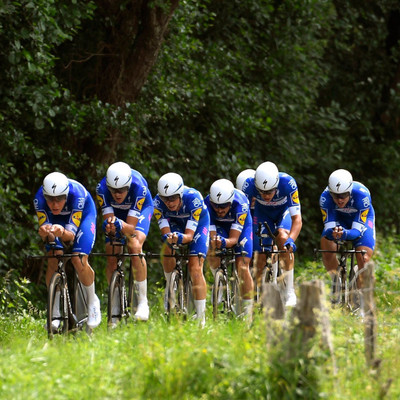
(311, 85)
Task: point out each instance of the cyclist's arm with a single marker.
(295, 229)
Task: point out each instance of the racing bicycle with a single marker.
(179, 293)
(272, 271)
(344, 285)
(66, 299)
(126, 299)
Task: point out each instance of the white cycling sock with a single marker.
(289, 280)
(167, 278)
(90, 293)
(141, 291)
(200, 306)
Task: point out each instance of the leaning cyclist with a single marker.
(127, 207)
(276, 203)
(183, 218)
(67, 215)
(348, 215)
(231, 227)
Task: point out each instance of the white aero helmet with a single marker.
(247, 173)
(55, 184)
(222, 191)
(340, 181)
(119, 175)
(170, 184)
(266, 176)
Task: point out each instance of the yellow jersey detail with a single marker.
(76, 218)
(41, 217)
(196, 214)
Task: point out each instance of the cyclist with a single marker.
(277, 203)
(348, 215)
(183, 218)
(231, 226)
(127, 207)
(66, 214)
(242, 177)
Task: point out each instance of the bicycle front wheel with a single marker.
(236, 305)
(221, 295)
(116, 298)
(57, 306)
(176, 295)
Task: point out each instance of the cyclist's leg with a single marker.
(139, 265)
(196, 263)
(283, 230)
(168, 266)
(243, 253)
(87, 234)
(213, 261)
(365, 242)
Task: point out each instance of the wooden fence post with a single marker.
(370, 322)
(272, 301)
(310, 313)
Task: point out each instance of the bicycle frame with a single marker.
(73, 314)
(226, 285)
(346, 281)
(270, 251)
(127, 303)
(180, 292)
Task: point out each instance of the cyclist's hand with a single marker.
(57, 230)
(338, 232)
(218, 242)
(290, 245)
(174, 237)
(44, 231)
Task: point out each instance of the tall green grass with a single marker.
(227, 359)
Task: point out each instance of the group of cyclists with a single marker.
(228, 217)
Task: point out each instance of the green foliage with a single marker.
(177, 360)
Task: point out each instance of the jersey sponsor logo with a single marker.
(196, 202)
(76, 218)
(242, 219)
(81, 203)
(139, 203)
(157, 213)
(324, 215)
(295, 197)
(100, 200)
(41, 217)
(196, 214)
(364, 215)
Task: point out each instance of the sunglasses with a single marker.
(267, 192)
(56, 199)
(169, 199)
(224, 205)
(118, 191)
(340, 196)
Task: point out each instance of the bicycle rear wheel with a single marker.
(236, 305)
(57, 306)
(221, 295)
(176, 295)
(116, 291)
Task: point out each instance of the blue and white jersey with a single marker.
(286, 198)
(358, 213)
(236, 217)
(137, 199)
(79, 203)
(192, 212)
